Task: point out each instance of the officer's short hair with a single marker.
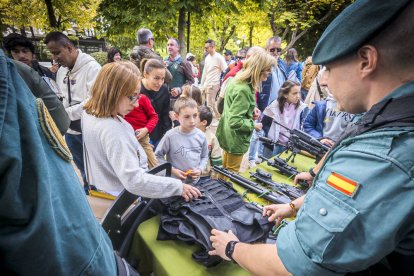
(58, 37)
(143, 36)
(273, 38)
(205, 113)
(183, 102)
(395, 41)
(14, 40)
(211, 42)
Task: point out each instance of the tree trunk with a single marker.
(251, 27)
(272, 23)
(188, 31)
(23, 31)
(32, 31)
(51, 14)
(181, 30)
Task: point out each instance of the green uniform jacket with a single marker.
(41, 90)
(236, 124)
(336, 233)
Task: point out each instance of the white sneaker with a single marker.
(252, 164)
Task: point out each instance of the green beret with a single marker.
(356, 25)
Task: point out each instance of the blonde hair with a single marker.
(253, 68)
(192, 91)
(184, 102)
(114, 81)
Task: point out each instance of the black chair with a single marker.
(121, 220)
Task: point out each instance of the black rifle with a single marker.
(299, 140)
(284, 168)
(266, 178)
(252, 186)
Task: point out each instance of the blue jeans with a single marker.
(268, 153)
(75, 145)
(256, 147)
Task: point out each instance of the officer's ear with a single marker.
(367, 57)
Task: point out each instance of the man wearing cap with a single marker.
(358, 215)
(228, 57)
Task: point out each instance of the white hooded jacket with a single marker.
(82, 76)
(273, 112)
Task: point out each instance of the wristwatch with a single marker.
(312, 173)
(230, 249)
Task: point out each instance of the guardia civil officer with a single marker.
(358, 217)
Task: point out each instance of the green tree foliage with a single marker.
(294, 19)
(49, 14)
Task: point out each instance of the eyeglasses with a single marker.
(134, 98)
(206, 47)
(272, 50)
(151, 38)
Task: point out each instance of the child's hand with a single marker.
(178, 173)
(140, 133)
(195, 173)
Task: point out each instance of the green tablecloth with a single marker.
(174, 257)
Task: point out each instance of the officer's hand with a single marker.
(327, 142)
(219, 240)
(277, 212)
(303, 176)
(190, 192)
(178, 173)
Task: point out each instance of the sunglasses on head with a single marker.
(272, 50)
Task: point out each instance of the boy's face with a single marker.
(188, 118)
(201, 124)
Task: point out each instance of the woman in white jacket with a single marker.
(286, 110)
(114, 159)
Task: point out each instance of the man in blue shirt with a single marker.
(358, 215)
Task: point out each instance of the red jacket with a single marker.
(233, 71)
(143, 116)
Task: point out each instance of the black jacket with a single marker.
(161, 102)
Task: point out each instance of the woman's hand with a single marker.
(258, 126)
(327, 142)
(190, 192)
(256, 113)
(277, 212)
(141, 132)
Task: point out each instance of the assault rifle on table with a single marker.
(252, 186)
(284, 168)
(266, 179)
(299, 140)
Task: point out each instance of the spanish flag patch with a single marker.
(342, 184)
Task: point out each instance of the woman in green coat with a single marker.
(237, 121)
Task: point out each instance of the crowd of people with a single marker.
(130, 115)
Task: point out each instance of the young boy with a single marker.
(185, 146)
(214, 150)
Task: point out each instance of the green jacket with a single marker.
(236, 124)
